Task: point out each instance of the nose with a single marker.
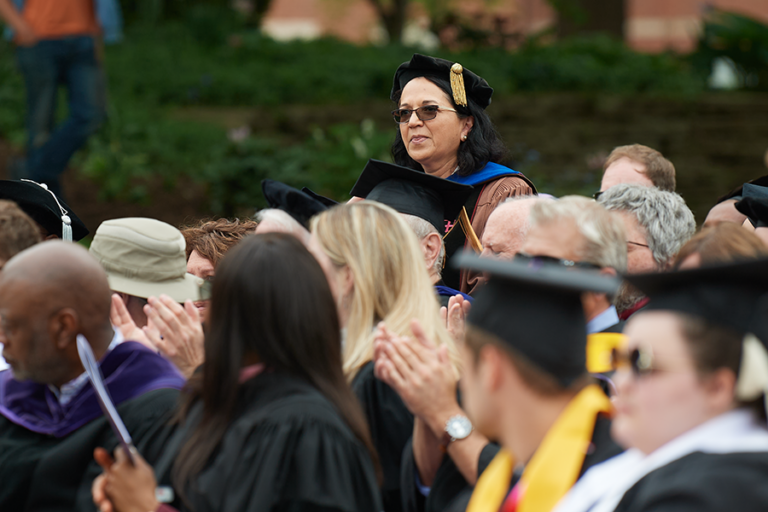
(622, 379)
(414, 120)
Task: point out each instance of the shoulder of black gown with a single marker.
(391, 425)
(703, 482)
(289, 450)
(40, 472)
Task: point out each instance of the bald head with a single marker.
(272, 220)
(507, 227)
(49, 294)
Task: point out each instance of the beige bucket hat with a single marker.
(145, 257)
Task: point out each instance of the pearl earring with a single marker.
(463, 137)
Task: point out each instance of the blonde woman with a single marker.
(376, 271)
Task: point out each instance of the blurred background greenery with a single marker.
(203, 106)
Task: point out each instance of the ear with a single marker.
(469, 123)
(490, 368)
(721, 389)
(63, 327)
(347, 280)
(431, 244)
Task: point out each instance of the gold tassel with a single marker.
(466, 226)
(457, 85)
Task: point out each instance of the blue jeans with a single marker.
(72, 62)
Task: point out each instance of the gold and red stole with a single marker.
(553, 469)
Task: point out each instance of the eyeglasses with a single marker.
(539, 260)
(639, 360)
(425, 113)
(597, 195)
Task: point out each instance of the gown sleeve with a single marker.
(391, 426)
(298, 457)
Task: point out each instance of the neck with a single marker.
(523, 438)
(594, 304)
(441, 169)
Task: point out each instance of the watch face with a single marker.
(458, 427)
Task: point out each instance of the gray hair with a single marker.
(605, 240)
(667, 221)
(422, 228)
(274, 220)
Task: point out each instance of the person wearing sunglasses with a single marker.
(691, 398)
(445, 132)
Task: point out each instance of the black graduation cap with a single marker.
(327, 201)
(47, 210)
(474, 86)
(535, 307)
(732, 295)
(754, 204)
(294, 202)
(738, 192)
(412, 192)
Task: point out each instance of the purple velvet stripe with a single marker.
(129, 371)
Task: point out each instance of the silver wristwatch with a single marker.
(456, 428)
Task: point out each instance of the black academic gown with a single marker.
(702, 482)
(286, 450)
(391, 427)
(53, 471)
(451, 493)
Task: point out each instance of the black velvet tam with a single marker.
(732, 296)
(40, 204)
(412, 192)
(294, 202)
(477, 89)
(536, 309)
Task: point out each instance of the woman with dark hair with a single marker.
(445, 131)
(270, 424)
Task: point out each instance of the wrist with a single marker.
(438, 421)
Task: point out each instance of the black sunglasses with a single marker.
(538, 260)
(425, 113)
(639, 360)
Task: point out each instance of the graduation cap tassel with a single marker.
(753, 371)
(66, 228)
(457, 85)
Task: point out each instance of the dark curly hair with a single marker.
(483, 143)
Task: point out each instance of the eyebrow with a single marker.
(425, 102)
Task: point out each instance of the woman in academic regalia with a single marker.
(376, 269)
(691, 404)
(451, 136)
(270, 424)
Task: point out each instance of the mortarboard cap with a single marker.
(464, 83)
(737, 193)
(754, 204)
(294, 202)
(412, 192)
(727, 295)
(327, 201)
(536, 309)
(48, 211)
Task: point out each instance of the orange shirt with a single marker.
(51, 19)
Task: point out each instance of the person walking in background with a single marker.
(57, 43)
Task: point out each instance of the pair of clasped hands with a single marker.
(417, 369)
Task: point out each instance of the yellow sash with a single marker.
(600, 346)
(555, 466)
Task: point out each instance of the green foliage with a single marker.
(328, 163)
(739, 38)
(11, 97)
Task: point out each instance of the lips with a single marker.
(418, 139)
